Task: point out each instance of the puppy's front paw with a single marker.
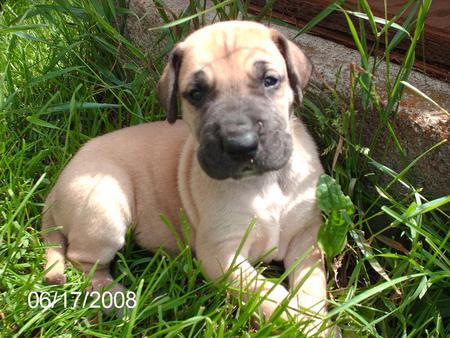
(118, 291)
(55, 276)
(273, 300)
(54, 269)
(311, 317)
(111, 292)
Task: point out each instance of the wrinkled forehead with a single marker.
(229, 47)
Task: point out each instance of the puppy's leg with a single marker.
(220, 258)
(308, 278)
(55, 253)
(97, 248)
(94, 211)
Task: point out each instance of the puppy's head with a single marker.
(237, 82)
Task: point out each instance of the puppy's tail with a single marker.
(56, 251)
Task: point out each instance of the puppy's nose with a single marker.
(242, 144)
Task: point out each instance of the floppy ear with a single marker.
(298, 66)
(168, 84)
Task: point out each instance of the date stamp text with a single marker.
(76, 299)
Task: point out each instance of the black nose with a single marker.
(242, 144)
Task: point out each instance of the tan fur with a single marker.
(131, 176)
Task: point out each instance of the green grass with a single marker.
(67, 74)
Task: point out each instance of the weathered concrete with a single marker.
(145, 16)
(418, 125)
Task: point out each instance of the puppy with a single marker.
(238, 154)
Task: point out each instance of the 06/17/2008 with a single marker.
(74, 299)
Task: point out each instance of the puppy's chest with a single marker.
(269, 206)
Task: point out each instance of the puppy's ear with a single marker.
(168, 84)
(298, 66)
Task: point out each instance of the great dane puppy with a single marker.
(238, 154)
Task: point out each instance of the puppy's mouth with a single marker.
(250, 166)
(249, 169)
(242, 139)
(273, 154)
(219, 165)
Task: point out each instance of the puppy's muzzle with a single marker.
(239, 139)
(242, 137)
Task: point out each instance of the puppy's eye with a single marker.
(270, 81)
(196, 95)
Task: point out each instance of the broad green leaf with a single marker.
(338, 208)
(330, 196)
(333, 234)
